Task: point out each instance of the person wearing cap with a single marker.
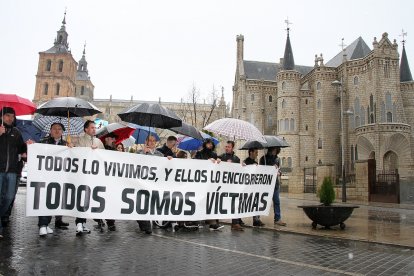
(55, 137)
(11, 145)
(87, 140)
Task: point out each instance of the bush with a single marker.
(327, 193)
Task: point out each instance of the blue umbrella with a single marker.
(141, 133)
(190, 143)
(29, 130)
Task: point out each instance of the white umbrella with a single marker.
(235, 128)
(129, 142)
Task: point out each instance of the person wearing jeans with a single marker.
(11, 145)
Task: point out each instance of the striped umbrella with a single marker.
(235, 129)
(44, 123)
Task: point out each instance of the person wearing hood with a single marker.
(207, 153)
(11, 146)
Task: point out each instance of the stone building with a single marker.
(303, 105)
(59, 75)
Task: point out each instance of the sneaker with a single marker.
(237, 227)
(49, 230)
(43, 231)
(216, 227)
(61, 225)
(258, 223)
(100, 226)
(148, 231)
(111, 227)
(79, 229)
(85, 229)
(280, 222)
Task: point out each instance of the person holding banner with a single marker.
(251, 160)
(11, 145)
(207, 153)
(109, 145)
(149, 149)
(230, 156)
(87, 140)
(271, 159)
(54, 138)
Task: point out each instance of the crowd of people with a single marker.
(14, 154)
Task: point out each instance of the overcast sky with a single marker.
(152, 49)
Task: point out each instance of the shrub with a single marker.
(326, 193)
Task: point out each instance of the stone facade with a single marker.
(301, 104)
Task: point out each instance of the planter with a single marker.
(328, 215)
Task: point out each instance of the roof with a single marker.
(405, 72)
(357, 49)
(267, 70)
(82, 75)
(57, 49)
(288, 61)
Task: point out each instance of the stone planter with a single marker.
(328, 215)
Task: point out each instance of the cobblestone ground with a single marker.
(128, 251)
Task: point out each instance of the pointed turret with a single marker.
(405, 72)
(288, 61)
(60, 44)
(83, 64)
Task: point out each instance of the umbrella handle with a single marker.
(68, 138)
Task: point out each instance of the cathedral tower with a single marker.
(56, 71)
(84, 85)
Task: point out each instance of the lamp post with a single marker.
(338, 85)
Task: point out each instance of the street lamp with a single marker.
(338, 85)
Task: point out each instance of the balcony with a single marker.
(383, 127)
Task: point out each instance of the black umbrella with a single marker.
(67, 107)
(151, 115)
(252, 145)
(275, 141)
(188, 130)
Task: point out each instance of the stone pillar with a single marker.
(361, 179)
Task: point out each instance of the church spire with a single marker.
(288, 61)
(61, 40)
(83, 64)
(405, 72)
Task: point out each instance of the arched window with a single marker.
(306, 101)
(283, 162)
(357, 121)
(389, 117)
(319, 104)
(292, 124)
(269, 121)
(306, 158)
(283, 85)
(306, 127)
(48, 65)
(319, 125)
(318, 85)
(286, 124)
(60, 39)
(362, 113)
(270, 98)
(252, 97)
(289, 162)
(283, 103)
(60, 65)
(82, 90)
(356, 80)
(45, 88)
(57, 89)
(319, 143)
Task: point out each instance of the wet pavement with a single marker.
(254, 251)
(382, 223)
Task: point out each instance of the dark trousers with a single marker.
(80, 220)
(110, 222)
(144, 225)
(276, 202)
(44, 220)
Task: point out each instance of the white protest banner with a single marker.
(103, 184)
